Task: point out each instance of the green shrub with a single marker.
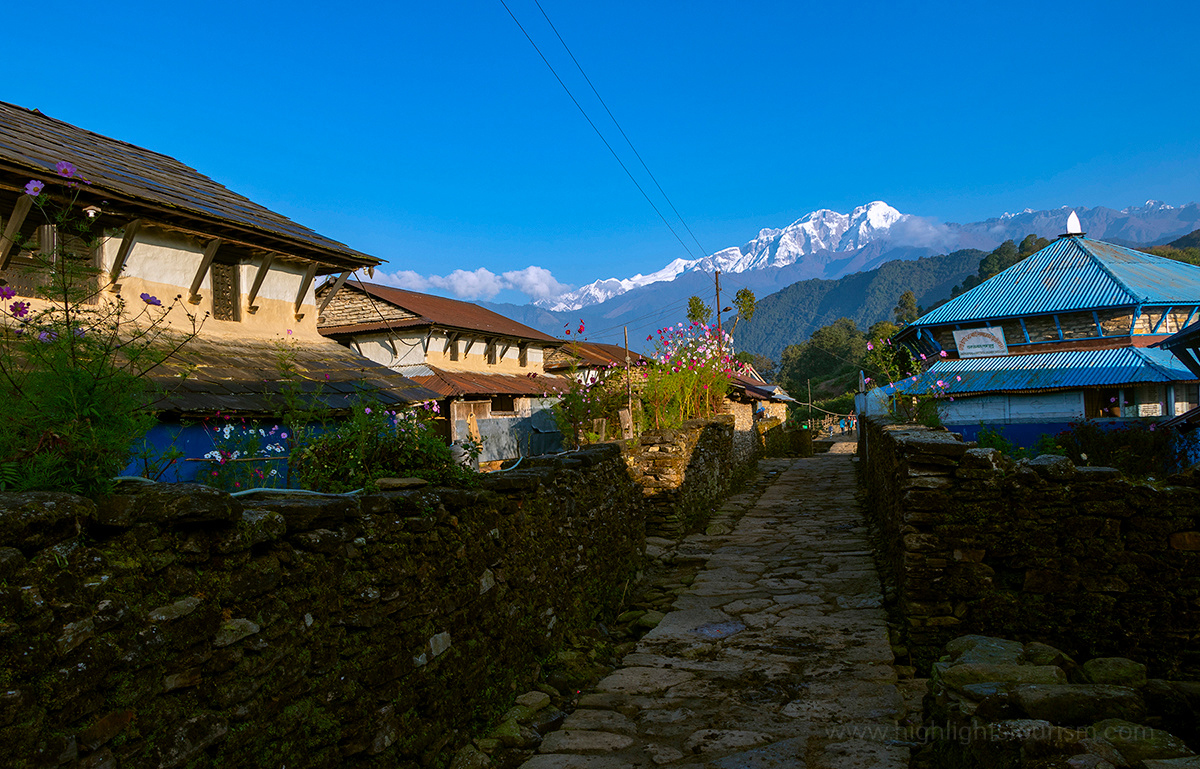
(1137, 449)
(376, 443)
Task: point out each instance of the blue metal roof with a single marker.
(1049, 371)
(1071, 274)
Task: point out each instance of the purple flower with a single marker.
(6, 293)
(870, 346)
(151, 300)
(34, 187)
(47, 337)
(79, 332)
(1112, 400)
(19, 309)
(942, 354)
(65, 169)
(367, 410)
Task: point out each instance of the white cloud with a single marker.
(534, 282)
(479, 284)
(921, 231)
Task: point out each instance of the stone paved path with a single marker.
(777, 656)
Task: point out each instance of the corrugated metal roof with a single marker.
(35, 143)
(1073, 273)
(600, 354)
(1050, 371)
(434, 310)
(446, 383)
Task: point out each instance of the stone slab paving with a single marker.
(777, 656)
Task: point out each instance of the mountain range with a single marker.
(826, 245)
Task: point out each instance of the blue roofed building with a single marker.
(1064, 335)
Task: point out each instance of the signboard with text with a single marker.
(980, 342)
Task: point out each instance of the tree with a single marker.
(906, 309)
(745, 303)
(831, 358)
(698, 311)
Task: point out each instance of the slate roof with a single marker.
(1064, 369)
(458, 383)
(1071, 274)
(133, 178)
(243, 377)
(436, 311)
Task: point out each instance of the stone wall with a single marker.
(747, 444)
(176, 625)
(1041, 550)
(683, 472)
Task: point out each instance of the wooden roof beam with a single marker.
(210, 251)
(131, 231)
(251, 307)
(309, 274)
(337, 286)
(20, 211)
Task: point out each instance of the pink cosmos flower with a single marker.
(65, 169)
(7, 292)
(942, 354)
(19, 309)
(870, 346)
(34, 187)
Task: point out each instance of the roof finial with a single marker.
(1073, 226)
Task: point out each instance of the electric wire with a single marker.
(598, 133)
(637, 154)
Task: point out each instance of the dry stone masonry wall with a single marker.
(1042, 550)
(174, 624)
(683, 472)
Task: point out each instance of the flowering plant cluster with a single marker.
(376, 442)
(246, 455)
(693, 365)
(74, 358)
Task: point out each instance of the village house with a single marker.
(488, 371)
(169, 231)
(1068, 333)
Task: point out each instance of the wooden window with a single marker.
(225, 294)
(29, 269)
(504, 404)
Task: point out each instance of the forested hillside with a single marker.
(791, 315)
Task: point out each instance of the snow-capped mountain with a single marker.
(822, 230)
(829, 244)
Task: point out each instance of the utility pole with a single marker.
(810, 404)
(720, 336)
(628, 375)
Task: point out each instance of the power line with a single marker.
(703, 251)
(597, 130)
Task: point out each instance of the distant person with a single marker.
(842, 425)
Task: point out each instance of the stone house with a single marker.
(487, 371)
(165, 231)
(1066, 334)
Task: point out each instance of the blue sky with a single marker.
(431, 134)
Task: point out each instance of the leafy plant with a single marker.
(375, 443)
(1137, 449)
(246, 455)
(74, 362)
